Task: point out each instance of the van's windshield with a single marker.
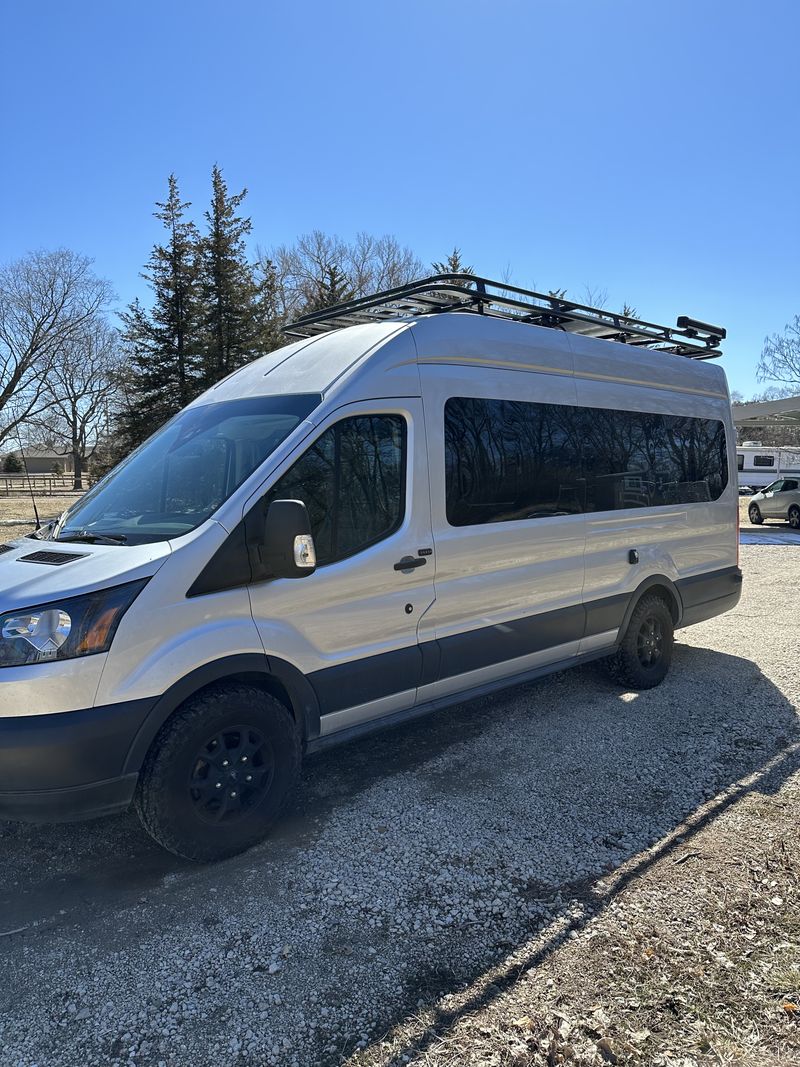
(185, 471)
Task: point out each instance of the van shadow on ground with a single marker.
(550, 787)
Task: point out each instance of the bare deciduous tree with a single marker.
(594, 296)
(365, 265)
(46, 299)
(80, 385)
(780, 357)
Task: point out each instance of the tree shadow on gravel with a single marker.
(566, 777)
(588, 897)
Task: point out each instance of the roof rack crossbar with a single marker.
(468, 293)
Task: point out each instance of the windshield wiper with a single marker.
(94, 538)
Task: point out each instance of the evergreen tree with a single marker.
(269, 305)
(454, 264)
(164, 344)
(12, 464)
(240, 307)
(331, 287)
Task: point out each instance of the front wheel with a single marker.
(219, 773)
(794, 517)
(755, 514)
(645, 652)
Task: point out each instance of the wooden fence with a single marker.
(43, 484)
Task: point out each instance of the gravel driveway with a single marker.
(413, 862)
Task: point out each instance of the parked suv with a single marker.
(781, 500)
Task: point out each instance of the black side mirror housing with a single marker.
(287, 547)
(272, 542)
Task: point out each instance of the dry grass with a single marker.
(18, 506)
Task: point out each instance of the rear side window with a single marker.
(352, 480)
(789, 486)
(763, 461)
(507, 460)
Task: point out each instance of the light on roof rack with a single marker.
(695, 326)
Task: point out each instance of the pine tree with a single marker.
(269, 306)
(332, 287)
(164, 342)
(240, 307)
(454, 264)
(12, 464)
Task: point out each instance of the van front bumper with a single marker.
(71, 765)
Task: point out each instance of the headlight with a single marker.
(65, 629)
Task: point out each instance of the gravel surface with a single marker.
(412, 864)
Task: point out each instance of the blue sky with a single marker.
(648, 148)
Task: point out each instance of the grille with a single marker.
(54, 559)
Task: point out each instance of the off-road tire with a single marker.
(754, 514)
(645, 652)
(794, 517)
(167, 802)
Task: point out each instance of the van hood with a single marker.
(38, 572)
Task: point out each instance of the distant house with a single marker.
(41, 460)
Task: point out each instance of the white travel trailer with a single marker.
(759, 465)
(435, 492)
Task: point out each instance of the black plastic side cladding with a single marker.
(228, 568)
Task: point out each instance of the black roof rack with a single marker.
(468, 293)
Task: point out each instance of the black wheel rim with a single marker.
(231, 774)
(650, 642)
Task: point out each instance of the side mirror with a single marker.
(288, 547)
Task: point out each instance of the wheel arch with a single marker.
(664, 587)
(275, 676)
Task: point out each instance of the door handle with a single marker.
(407, 563)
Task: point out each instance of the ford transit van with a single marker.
(427, 495)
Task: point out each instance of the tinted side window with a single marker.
(763, 461)
(790, 486)
(740, 460)
(507, 460)
(637, 459)
(352, 480)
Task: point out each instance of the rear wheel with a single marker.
(755, 514)
(219, 773)
(645, 652)
(794, 517)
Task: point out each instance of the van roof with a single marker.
(386, 356)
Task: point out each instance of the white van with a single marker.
(470, 487)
